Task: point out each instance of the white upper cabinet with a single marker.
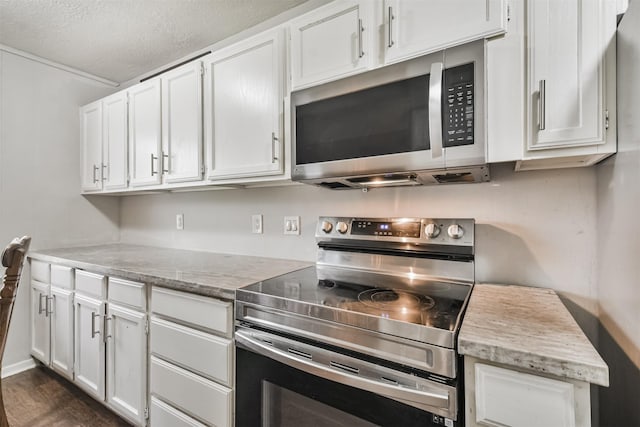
(91, 137)
(568, 40)
(145, 158)
(417, 27)
(332, 42)
(114, 150)
(244, 92)
(182, 123)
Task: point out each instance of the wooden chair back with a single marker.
(12, 259)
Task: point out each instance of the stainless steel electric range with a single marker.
(365, 337)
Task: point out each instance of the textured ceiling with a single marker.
(122, 39)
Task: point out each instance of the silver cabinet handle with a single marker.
(47, 306)
(274, 141)
(435, 109)
(106, 329)
(104, 175)
(153, 159)
(165, 156)
(542, 95)
(389, 28)
(95, 173)
(93, 325)
(435, 398)
(360, 30)
(40, 309)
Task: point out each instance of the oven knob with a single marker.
(342, 227)
(432, 230)
(455, 231)
(326, 226)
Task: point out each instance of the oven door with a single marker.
(299, 384)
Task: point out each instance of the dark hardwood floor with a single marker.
(39, 397)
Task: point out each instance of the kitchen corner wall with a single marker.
(618, 198)
(533, 228)
(39, 172)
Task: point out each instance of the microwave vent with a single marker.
(333, 185)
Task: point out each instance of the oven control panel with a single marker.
(436, 231)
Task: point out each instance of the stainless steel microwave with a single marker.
(412, 123)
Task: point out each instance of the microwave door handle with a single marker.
(435, 109)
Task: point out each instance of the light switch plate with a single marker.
(292, 225)
(179, 221)
(256, 224)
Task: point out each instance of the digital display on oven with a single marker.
(394, 229)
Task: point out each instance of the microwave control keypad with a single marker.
(458, 106)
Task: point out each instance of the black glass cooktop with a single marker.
(429, 303)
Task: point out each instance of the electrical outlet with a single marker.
(180, 221)
(256, 224)
(292, 225)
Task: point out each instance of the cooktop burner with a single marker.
(395, 300)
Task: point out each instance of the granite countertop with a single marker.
(203, 273)
(528, 328)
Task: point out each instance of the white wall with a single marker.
(534, 228)
(618, 194)
(39, 171)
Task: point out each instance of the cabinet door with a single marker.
(567, 43)
(89, 345)
(91, 146)
(40, 325)
(62, 331)
(182, 123)
(332, 42)
(245, 106)
(508, 398)
(126, 362)
(417, 27)
(114, 154)
(145, 133)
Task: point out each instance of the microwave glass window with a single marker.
(387, 119)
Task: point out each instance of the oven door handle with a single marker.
(396, 392)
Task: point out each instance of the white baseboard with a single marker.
(16, 368)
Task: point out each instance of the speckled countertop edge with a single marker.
(528, 328)
(231, 271)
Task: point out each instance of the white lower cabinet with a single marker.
(111, 343)
(497, 395)
(52, 316)
(126, 362)
(40, 323)
(191, 371)
(210, 402)
(89, 347)
(166, 416)
(61, 313)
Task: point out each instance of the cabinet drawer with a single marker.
(62, 277)
(191, 393)
(196, 310)
(163, 415)
(91, 284)
(200, 352)
(126, 292)
(40, 271)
